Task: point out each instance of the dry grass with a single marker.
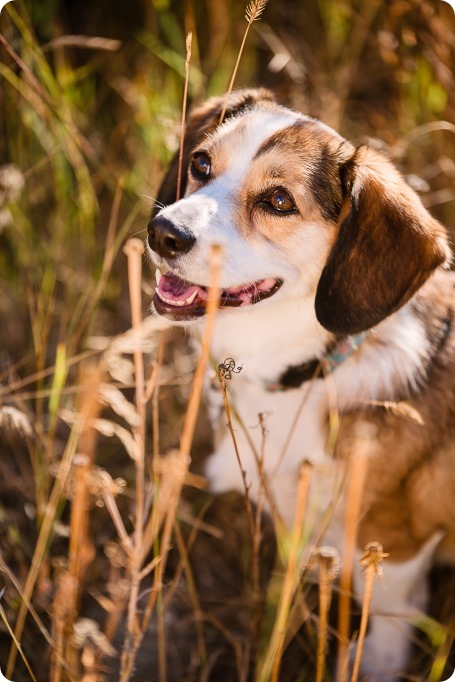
(354, 491)
(371, 561)
(116, 561)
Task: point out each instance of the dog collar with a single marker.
(317, 368)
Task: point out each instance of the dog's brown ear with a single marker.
(386, 247)
(202, 121)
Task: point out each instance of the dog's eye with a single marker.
(280, 201)
(200, 166)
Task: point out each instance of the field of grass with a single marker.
(115, 562)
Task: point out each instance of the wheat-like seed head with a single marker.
(188, 44)
(254, 10)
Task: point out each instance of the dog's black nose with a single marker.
(167, 240)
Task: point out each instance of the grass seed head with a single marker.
(254, 10)
(85, 630)
(373, 555)
(14, 421)
(328, 559)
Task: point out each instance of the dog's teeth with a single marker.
(176, 302)
(191, 298)
(158, 275)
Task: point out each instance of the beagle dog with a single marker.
(334, 300)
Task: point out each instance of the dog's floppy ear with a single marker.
(386, 247)
(202, 121)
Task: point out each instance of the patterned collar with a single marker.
(295, 376)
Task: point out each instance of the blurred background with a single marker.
(91, 97)
(90, 106)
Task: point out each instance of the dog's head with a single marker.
(298, 211)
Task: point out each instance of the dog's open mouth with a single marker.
(181, 300)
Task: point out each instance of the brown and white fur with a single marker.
(351, 249)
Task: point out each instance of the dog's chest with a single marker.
(281, 430)
(296, 425)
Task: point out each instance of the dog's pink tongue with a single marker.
(175, 289)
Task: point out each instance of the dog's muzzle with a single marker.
(167, 240)
(182, 300)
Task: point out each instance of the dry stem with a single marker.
(212, 307)
(81, 550)
(371, 560)
(43, 538)
(109, 254)
(198, 616)
(11, 633)
(189, 40)
(248, 506)
(357, 474)
(329, 564)
(252, 13)
(275, 649)
(134, 249)
(257, 537)
(265, 489)
(176, 468)
(294, 424)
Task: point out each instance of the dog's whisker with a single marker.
(154, 201)
(139, 233)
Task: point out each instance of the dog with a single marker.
(335, 298)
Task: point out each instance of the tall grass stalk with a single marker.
(70, 582)
(295, 423)
(183, 455)
(41, 627)
(134, 249)
(189, 40)
(16, 642)
(81, 551)
(329, 565)
(195, 397)
(257, 536)
(48, 99)
(254, 517)
(173, 473)
(442, 655)
(355, 486)
(265, 488)
(198, 615)
(177, 466)
(198, 526)
(89, 303)
(45, 533)
(227, 410)
(371, 560)
(270, 667)
(253, 13)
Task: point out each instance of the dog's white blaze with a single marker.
(208, 213)
(260, 126)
